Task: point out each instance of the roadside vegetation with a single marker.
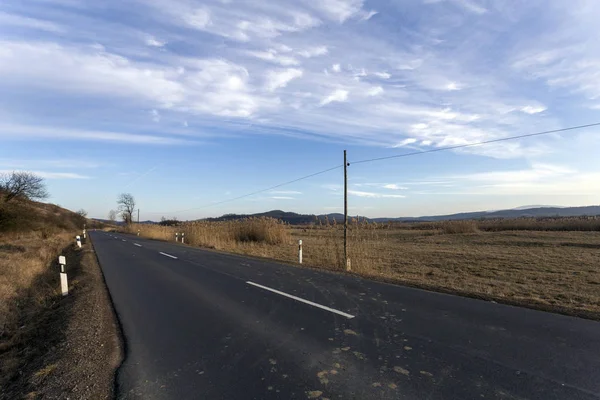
(32, 235)
(547, 263)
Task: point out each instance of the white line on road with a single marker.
(168, 255)
(124, 240)
(302, 300)
(138, 245)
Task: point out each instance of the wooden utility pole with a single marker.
(138, 215)
(346, 260)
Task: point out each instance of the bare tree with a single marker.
(126, 203)
(82, 213)
(112, 215)
(21, 184)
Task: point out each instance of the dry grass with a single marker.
(23, 258)
(551, 269)
(584, 224)
(463, 226)
(32, 235)
(562, 224)
(226, 235)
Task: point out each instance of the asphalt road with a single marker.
(206, 325)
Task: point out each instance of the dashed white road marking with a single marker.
(168, 255)
(333, 310)
(138, 245)
(124, 240)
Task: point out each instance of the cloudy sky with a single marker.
(189, 103)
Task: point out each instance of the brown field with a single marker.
(555, 265)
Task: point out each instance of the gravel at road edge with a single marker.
(83, 365)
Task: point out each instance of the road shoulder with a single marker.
(76, 346)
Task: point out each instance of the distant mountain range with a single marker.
(519, 212)
(525, 211)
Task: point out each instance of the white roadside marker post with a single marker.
(64, 285)
(177, 236)
(78, 239)
(182, 237)
(138, 232)
(300, 251)
(84, 236)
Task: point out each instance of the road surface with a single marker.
(204, 325)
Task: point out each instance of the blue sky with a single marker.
(186, 103)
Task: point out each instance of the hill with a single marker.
(526, 211)
(512, 213)
(32, 216)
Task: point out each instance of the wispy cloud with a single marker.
(291, 192)
(279, 79)
(314, 51)
(15, 20)
(339, 95)
(537, 180)
(393, 186)
(339, 10)
(373, 195)
(51, 174)
(282, 198)
(326, 68)
(27, 163)
(21, 132)
(153, 42)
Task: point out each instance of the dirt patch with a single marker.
(70, 349)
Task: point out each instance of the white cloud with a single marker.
(27, 163)
(222, 70)
(334, 187)
(273, 56)
(27, 132)
(50, 175)
(282, 198)
(393, 186)
(537, 172)
(374, 195)
(285, 192)
(237, 22)
(280, 78)
(14, 20)
(533, 109)
(314, 51)
(471, 5)
(374, 91)
(538, 180)
(339, 95)
(367, 15)
(198, 18)
(405, 142)
(338, 10)
(382, 75)
(155, 116)
(453, 86)
(91, 70)
(153, 42)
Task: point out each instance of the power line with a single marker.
(256, 192)
(384, 158)
(460, 146)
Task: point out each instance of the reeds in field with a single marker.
(223, 234)
(462, 226)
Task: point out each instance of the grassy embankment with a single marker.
(32, 235)
(545, 263)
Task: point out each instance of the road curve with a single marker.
(204, 325)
